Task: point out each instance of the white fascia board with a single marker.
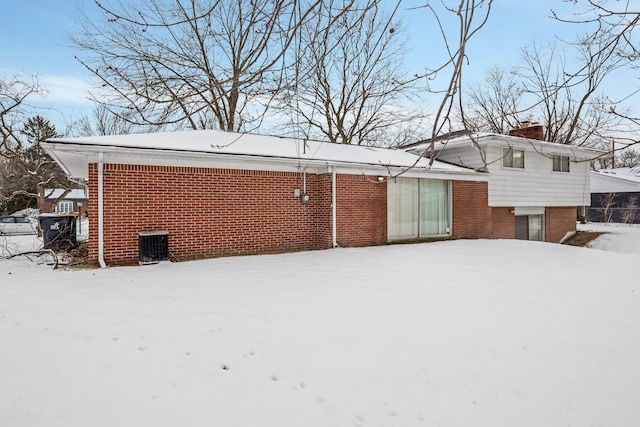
(154, 157)
(547, 148)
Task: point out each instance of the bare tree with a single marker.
(627, 159)
(611, 33)
(608, 204)
(348, 85)
(29, 171)
(14, 92)
(104, 122)
(543, 88)
(629, 211)
(613, 21)
(494, 104)
(190, 63)
(471, 16)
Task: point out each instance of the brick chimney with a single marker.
(528, 130)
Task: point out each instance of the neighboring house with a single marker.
(211, 193)
(614, 192)
(63, 201)
(535, 186)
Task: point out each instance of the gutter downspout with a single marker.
(101, 212)
(334, 242)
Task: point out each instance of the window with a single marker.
(530, 227)
(512, 158)
(560, 163)
(64, 206)
(418, 208)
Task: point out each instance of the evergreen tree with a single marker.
(28, 169)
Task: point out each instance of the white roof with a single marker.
(484, 138)
(619, 180)
(54, 193)
(72, 153)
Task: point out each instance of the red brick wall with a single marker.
(504, 223)
(361, 210)
(208, 212)
(471, 215)
(558, 222)
(219, 212)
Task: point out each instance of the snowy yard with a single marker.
(458, 333)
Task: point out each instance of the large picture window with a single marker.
(418, 208)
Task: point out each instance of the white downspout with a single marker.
(334, 241)
(101, 212)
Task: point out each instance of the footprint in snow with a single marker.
(300, 386)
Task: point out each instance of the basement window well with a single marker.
(154, 246)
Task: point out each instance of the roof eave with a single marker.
(92, 151)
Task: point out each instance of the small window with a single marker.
(64, 206)
(560, 163)
(512, 158)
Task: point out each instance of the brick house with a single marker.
(535, 187)
(63, 201)
(220, 193)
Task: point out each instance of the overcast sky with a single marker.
(33, 34)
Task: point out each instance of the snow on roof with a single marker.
(54, 193)
(625, 174)
(262, 146)
(462, 139)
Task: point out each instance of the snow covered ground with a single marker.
(458, 333)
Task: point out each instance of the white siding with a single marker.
(603, 183)
(463, 156)
(535, 185)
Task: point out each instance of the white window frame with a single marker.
(508, 158)
(562, 161)
(413, 229)
(64, 206)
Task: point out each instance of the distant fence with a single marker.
(614, 207)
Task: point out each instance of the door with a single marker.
(530, 227)
(522, 227)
